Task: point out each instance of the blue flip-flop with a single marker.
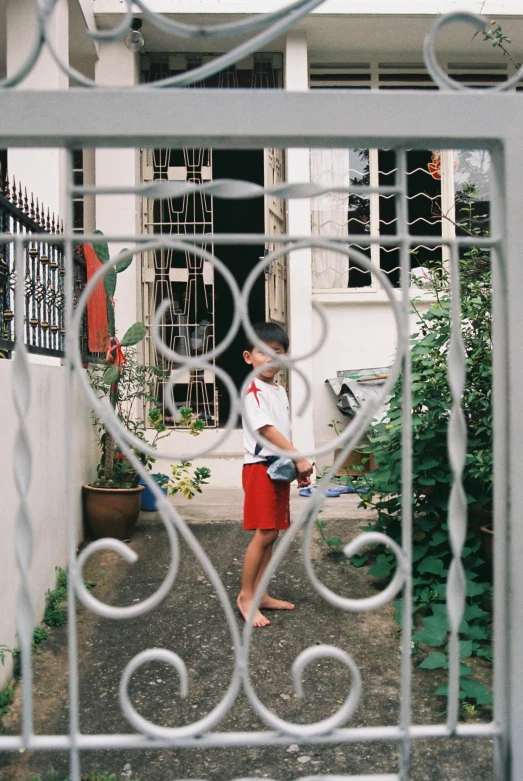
(348, 489)
(331, 493)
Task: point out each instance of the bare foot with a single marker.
(269, 603)
(244, 606)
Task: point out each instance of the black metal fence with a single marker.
(44, 299)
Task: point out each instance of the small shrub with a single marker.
(56, 604)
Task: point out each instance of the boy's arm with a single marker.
(275, 437)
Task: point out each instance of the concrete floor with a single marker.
(226, 504)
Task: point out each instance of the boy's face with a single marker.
(256, 358)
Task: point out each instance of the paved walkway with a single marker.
(226, 504)
(190, 622)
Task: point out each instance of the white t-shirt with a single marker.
(264, 405)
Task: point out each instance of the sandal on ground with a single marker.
(331, 493)
(348, 489)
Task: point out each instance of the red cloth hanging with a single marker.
(97, 326)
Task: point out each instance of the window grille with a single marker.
(362, 216)
(188, 325)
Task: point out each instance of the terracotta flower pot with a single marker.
(111, 512)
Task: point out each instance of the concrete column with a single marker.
(41, 171)
(299, 277)
(117, 214)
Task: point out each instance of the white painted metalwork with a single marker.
(276, 120)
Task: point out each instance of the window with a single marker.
(435, 182)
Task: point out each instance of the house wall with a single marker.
(338, 7)
(362, 334)
(47, 428)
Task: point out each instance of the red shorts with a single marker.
(266, 504)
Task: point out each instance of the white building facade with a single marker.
(365, 45)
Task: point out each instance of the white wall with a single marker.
(117, 214)
(488, 7)
(299, 275)
(362, 334)
(224, 460)
(47, 432)
(41, 171)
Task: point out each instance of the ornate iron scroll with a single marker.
(203, 732)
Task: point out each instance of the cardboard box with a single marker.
(355, 460)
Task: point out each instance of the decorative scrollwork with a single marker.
(262, 28)
(175, 525)
(446, 82)
(266, 28)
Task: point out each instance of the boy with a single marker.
(266, 506)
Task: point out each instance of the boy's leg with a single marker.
(258, 553)
(267, 602)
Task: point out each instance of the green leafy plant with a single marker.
(56, 601)
(121, 383)
(7, 694)
(493, 34)
(136, 386)
(432, 477)
(335, 544)
(127, 383)
(182, 481)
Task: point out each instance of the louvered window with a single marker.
(431, 212)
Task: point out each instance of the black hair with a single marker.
(269, 332)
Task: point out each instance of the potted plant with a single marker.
(182, 479)
(112, 502)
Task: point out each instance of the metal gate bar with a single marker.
(285, 120)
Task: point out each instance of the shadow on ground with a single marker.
(190, 622)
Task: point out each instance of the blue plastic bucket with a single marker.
(148, 502)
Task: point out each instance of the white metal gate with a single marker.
(452, 118)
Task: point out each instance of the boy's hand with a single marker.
(304, 469)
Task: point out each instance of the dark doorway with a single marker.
(236, 216)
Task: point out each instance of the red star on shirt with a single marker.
(253, 388)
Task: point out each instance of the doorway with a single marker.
(236, 216)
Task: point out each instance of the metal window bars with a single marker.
(285, 120)
(43, 275)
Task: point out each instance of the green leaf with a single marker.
(110, 282)
(435, 661)
(101, 248)
(111, 375)
(486, 653)
(475, 589)
(359, 561)
(476, 691)
(419, 551)
(134, 334)
(334, 542)
(381, 570)
(465, 649)
(438, 538)
(398, 616)
(428, 463)
(431, 565)
(437, 623)
(123, 264)
(111, 327)
(431, 637)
